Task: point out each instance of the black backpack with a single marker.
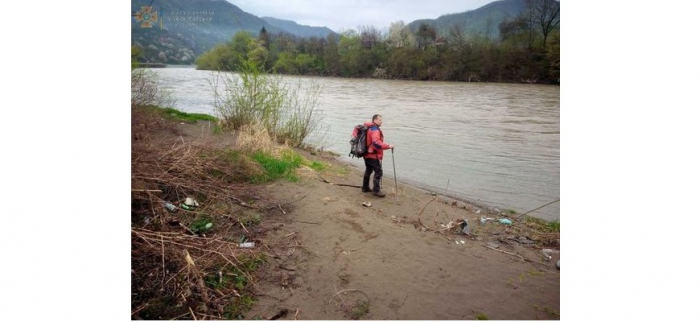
(358, 144)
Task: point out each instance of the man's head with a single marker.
(377, 119)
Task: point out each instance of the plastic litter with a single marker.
(170, 207)
(485, 219)
(546, 254)
(186, 207)
(367, 204)
(191, 202)
(246, 245)
(207, 226)
(505, 221)
(465, 227)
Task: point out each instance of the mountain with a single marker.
(184, 29)
(483, 20)
(299, 30)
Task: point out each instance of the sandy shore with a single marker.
(332, 257)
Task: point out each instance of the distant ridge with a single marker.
(297, 29)
(483, 21)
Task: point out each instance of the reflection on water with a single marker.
(497, 144)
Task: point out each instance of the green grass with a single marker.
(543, 225)
(553, 226)
(482, 316)
(359, 310)
(236, 277)
(199, 225)
(318, 166)
(277, 168)
(177, 115)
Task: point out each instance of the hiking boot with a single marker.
(366, 190)
(380, 194)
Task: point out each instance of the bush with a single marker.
(249, 98)
(146, 89)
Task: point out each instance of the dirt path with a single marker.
(334, 258)
(337, 259)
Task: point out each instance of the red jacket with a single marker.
(375, 142)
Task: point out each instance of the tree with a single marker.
(546, 16)
(265, 37)
(457, 36)
(331, 55)
(400, 35)
(516, 31)
(369, 36)
(426, 35)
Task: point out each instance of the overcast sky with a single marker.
(347, 14)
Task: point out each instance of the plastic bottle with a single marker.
(170, 207)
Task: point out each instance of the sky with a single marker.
(342, 15)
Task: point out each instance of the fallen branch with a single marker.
(308, 222)
(525, 213)
(350, 290)
(513, 254)
(421, 213)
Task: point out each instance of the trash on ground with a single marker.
(448, 225)
(208, 225)
(170, 207)
(525, 240)
(485, 219)
(367, 204)
(465, 226)
(505, 221)
(191, 202)
(186, 207)
(558, 264)
(246, 245)
(492, 245)
(546, 253)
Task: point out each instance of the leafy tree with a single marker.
(400, 35)
(425, 35)
(265, 38)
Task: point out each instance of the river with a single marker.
(497, 144)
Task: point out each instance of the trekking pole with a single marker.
(396, 186)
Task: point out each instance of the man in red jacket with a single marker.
(374, 155)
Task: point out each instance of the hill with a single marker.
(297, 29)
(483, 21)
(183, 29)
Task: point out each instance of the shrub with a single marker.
(146, 89)
(250, 98)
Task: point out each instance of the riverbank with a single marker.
(328, 256)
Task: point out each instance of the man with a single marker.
(374, 155)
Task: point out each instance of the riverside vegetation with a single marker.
(186, 263)
(526, 50)
(179, 269)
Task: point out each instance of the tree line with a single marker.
(526, 50)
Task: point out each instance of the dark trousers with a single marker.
(372, 165)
